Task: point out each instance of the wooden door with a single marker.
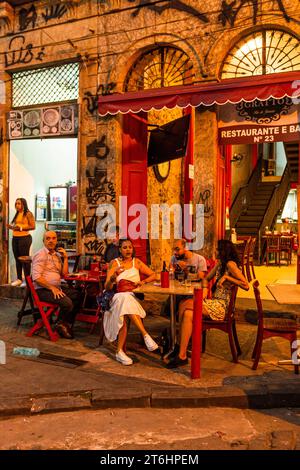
(134, 172)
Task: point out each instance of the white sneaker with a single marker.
(18, 282)
(150, 343)
(123, 358)
(23, 284)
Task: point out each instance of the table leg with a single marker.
(173, 322)
(172, 325)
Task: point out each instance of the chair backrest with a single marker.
(231, 306)
(33, 292)
(259, 306)
(273, 242)
(210, 263)
(252, 248)
(243, 251)
(286, 243)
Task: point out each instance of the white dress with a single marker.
(123, 303)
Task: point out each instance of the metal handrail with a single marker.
(245, 195)
(277, 200)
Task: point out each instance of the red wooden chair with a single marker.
(210, 263)
(243, 252)
(269, 327)
(250, 260)
(273, 247)
(227, 325)
(286, 247)
(45, 309)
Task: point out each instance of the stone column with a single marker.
(205, 161)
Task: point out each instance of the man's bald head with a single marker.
(50, 240)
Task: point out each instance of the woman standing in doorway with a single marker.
(22, 222)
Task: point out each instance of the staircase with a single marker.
(257, 205)
(292, 155)
(251, 218)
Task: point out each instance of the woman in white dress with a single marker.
(126, 268)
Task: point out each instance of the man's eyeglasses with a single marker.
(177, 248)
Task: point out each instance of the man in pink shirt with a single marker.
(49, 266)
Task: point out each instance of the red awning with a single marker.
(260, 87)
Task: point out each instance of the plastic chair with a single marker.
(269, 327)
(45, 309)
(227, 325)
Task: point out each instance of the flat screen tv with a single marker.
(169, 141)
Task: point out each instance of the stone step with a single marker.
(10, 292)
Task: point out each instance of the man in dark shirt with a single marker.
(112, 250)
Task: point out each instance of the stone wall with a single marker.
(106, 38)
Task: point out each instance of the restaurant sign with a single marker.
(259, 121)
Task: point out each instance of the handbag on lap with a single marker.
(125, 286)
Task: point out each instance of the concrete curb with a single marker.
(278, 395)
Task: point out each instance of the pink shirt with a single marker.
(48, 266)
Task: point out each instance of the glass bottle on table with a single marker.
(95, 265)
(164, 276)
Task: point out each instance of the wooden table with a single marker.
(288, 294)
(86, 278)
(176, 288)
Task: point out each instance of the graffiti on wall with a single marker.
(230, 11)
(174, 4)
(206, 199)
(92, 100)
(99, 190)
(18, 53)
(28, 16)
(98, 148)
(54, 12)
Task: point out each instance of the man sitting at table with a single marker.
(183, 262)
(49, 266)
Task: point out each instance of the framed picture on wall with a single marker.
(41, 208)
